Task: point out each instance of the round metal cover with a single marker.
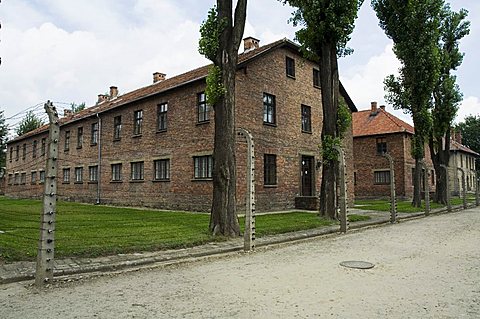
(357, 264)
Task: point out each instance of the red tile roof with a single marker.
(365, 123)
(455, 146)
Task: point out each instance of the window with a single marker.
(268, 108)
(382, 177)
(78, 174)
(11, 153)
(93, 173)
(94, 139)
(66, 175)
(381, 146)
(67, 140)
(42, 176)
(117, 127)
(316, 78)
(17, 153)
(17, 178)
(162, 117)
(203, 167)
(42, 151)
(23, 178)
(33, 178)
(137, 122)
(202, 108)
(270, 169)
(10, 179)
(24, 151)
(306, 119)
(432, 174)
(79, 137)
(290, 67)
(34, 149)
(116, 172)
(162, 169)
(137, 171)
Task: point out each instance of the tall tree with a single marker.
(29, 123)
(327, 25)
(221, 35)
(3, 140)
(446, 95)
(413, 26)
(470, 129)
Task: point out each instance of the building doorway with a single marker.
(307, 175)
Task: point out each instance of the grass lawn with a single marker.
(88, 230)
(402, 206)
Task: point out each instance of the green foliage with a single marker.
(214, 90)
(29, 123)
(470, 129)
(77, 107)
(414, 28)
(324, 21)
(3, 140)
(344, 118)
(447, 94)
(210, 31)
(328, 151)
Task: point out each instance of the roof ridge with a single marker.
(400, 123)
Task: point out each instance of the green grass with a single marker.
(403, 206)
(358, 218)
(89, 230)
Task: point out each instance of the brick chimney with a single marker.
(67, 112)
(382, 107)
(158, 77)
(113, 92)
(102, 98)
(374, 110)
(250, 43)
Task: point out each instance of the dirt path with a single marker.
(425, 268)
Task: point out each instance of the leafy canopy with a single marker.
(29, 123)
(324, 21)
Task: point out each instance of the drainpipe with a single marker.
(99, 177)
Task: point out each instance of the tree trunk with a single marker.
(329, 89)
(417, 183)
(440, 156)
(223, 218)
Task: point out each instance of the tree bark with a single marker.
(417, 183)
(440, 156)
(223, 218)
(329, 89)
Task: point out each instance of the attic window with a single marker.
(290, 67)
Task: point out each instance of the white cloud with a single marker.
(469, 106)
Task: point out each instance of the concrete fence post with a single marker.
(447, 181)
(393, 196)
(464, 188)
(249, 235)
(477, 190)
(342, 197)
(46, 243)
(426, 188)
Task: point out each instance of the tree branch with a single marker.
(239, 23)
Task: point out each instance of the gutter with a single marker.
(99, 167)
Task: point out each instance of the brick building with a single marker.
(375, 132)
(464, 158)
(153, 146)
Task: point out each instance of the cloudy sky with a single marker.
(67, 51)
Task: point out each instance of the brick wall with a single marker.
(186, 138)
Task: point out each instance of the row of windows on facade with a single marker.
(383, 177)
(269, 118)
(203, 169)
(290, 71)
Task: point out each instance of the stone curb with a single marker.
(178, 256)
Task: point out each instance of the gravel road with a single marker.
(424, 268)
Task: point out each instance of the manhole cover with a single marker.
(357, 264)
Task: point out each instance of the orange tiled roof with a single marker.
(455, 146)
(364, 123)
